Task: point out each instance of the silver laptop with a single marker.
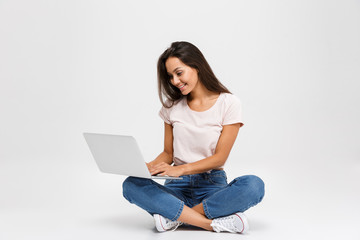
(119, 155)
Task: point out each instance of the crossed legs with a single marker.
(241, 194)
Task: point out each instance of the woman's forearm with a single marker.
(162, 157)
(213, 162)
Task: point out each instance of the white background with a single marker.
(68, 67)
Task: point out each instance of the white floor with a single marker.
(71, 199)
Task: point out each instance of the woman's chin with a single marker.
(185, 92)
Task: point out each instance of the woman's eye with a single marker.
(179, 73)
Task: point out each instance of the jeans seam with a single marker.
(206, 210)
(179, 212)
(191, 191)
(181, 202)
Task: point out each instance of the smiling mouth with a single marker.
(182, 86)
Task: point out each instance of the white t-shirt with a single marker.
(196, 133)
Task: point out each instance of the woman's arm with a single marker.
(222, 151)
(167, 155)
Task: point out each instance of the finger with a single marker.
(163, 174)
(160, 168)
(156, 171)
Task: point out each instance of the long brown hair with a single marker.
(192, 57)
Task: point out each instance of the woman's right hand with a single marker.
(166, 169)
(148, 166)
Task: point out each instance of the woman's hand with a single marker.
(166, 169)
(148, 166)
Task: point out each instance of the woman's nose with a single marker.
(176, 80)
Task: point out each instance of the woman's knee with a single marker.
(255, 186)
(258, 186)
(131, 186)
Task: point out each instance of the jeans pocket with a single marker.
(218, 179)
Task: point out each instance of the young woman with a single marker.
(202, 119)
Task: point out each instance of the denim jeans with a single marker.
(218, 197)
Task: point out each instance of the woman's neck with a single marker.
(201, 95)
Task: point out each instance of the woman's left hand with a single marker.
(166, 169)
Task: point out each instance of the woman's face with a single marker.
(181, 76)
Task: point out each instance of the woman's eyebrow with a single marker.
(175, 70)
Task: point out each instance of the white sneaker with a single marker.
(163, 224)
(235, 223)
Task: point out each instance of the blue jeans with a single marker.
(211, 189)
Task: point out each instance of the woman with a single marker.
(202, 119)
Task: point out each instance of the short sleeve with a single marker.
(233, 112)
(164, 113)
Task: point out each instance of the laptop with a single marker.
(119, 154)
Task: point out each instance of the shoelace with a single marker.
(223, 224)
(174, 225)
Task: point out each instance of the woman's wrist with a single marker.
(185, 169)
